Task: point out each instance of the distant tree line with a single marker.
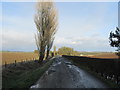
(68, 51)
(62, 51)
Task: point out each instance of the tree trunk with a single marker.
(41, 56)
(47, 55)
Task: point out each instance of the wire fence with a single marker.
(15, 62)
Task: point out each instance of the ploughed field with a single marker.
(10, 57)
(105, 55)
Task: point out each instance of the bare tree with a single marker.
(46, 23)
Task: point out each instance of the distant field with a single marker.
(105, 55)
(10, 57)
(99, 54)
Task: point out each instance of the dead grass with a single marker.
(10, 57)
(105, 55)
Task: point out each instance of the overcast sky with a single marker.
(84, 26)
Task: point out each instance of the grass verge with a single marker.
(26, 79)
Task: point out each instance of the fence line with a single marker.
(15, 62)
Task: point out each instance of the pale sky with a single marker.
(84, 26)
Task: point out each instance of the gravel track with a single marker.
(63, 74)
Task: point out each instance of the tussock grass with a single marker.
(23, 76)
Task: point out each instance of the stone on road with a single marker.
(63, 74)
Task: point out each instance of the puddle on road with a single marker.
(68, 63)
(70, 66)
(55, 64)
(35, 86)
(59, 62)
(48, 72)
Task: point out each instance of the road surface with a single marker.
(63, 74)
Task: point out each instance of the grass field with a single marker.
(99, 54)
(105, 55)
(10, 57)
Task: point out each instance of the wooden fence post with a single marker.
(15, 62)
(5, 64)
(21, 61)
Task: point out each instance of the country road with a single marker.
(63, 74)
